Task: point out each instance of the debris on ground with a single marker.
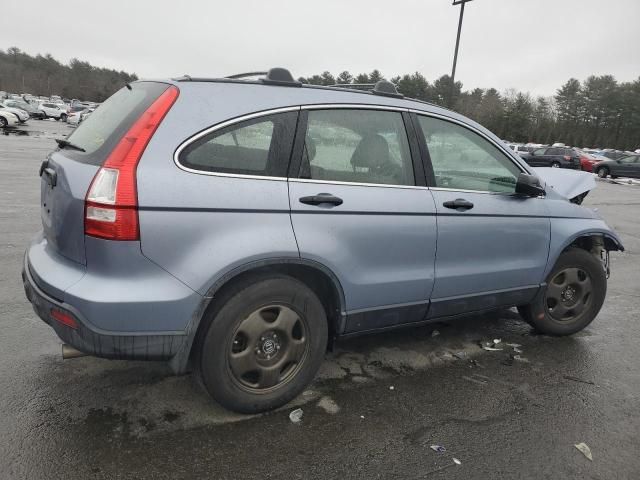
(329, 405)
(513, 345)
(435, 333)
(362, 417)
(521, 358)
(460, 355)
(296, 415)
(475, 363)
(576, 379)
(491, 346)
(480, 381)
(517, 350)
(586, 451)
(392, 387)
(438, 448)
(456, 461)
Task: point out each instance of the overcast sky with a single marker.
(530, 45)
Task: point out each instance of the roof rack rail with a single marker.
(238, 76)
(382, 87)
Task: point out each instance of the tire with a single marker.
(575, 291)
(63, 117)
(602, 172)
(3, 122)
(263, 345)
(555, 164)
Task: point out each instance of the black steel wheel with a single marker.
(575, 291)
(262, 344)
(268, 348)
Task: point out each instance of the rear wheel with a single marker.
(264, 345)
(3, 122)
(575, 292)
(602, 172)
(63, 117)
(555, 164)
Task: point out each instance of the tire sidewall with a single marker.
(603, 171)
(584, 260)
(213, 357)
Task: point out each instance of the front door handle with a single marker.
(320, 199)
(459, 204)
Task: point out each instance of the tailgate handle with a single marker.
(321, 198)
(52, 176)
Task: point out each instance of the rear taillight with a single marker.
(111, 206)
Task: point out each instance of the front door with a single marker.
(359, 209)
(492, 244)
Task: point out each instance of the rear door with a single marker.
(360, 207)
(492, 244)
(66, 173)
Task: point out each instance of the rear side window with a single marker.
(360, 146)
(260, 146)
(100, 132)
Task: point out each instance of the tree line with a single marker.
(44, 75)
(599, 112)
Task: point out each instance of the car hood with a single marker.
(568, 183)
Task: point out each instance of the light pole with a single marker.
(455, 55)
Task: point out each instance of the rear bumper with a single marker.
(113, 320)
(83, 338)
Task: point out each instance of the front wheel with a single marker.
(555, 164)
(3, 122)
(264, 345)
(603, 172)
(63, 117)
(575, 292)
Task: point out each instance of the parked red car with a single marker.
(587, 161)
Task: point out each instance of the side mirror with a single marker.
(529, 185)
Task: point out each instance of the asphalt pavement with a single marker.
(377, 406)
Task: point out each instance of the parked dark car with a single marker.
(628, 166)
(614, 154)
(557, 157)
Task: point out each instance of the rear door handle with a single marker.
(459, 204)
(320, 199)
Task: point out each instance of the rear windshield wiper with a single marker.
(62, 143)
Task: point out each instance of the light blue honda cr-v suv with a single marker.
(238, 226)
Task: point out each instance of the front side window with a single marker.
(260, 146)
(463, 160)
(361, 146)
(540, 151)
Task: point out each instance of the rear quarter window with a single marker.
(257, 147)
(101, 131)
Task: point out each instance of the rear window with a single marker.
(100, 132)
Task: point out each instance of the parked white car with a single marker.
(22, 115)
(52, 110)
(8, 119)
